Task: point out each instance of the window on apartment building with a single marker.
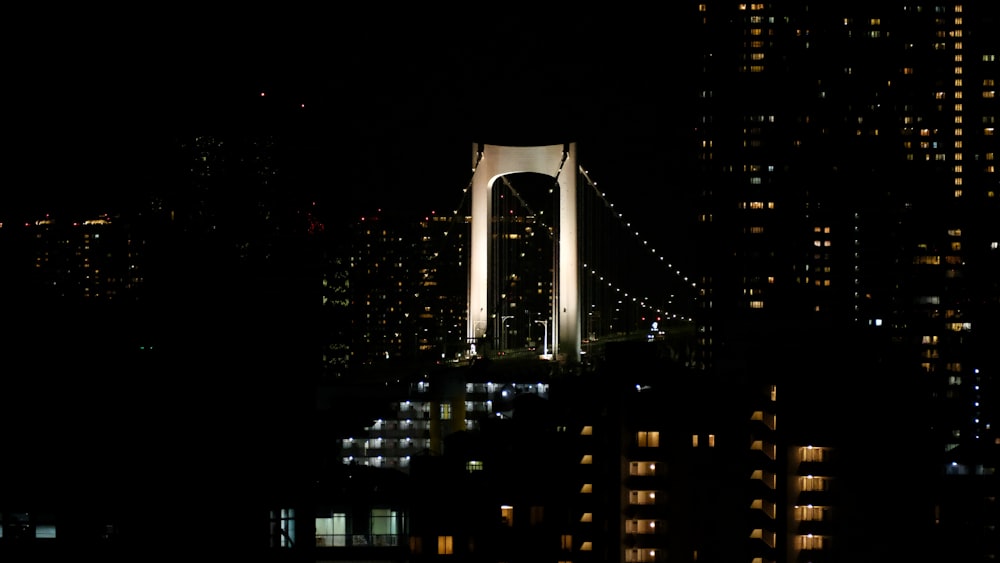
(810, 513)
(813, 483)
(587, 517)
(507, 514)
(416, 544)
(810, 541)
(332, 530)
(283, 527)
(587, 488)
(385, 526)
(445, 411)
(642, 468)
(445, 545)
(566, 542)
(587, 459)
(536, 515)
(635, 555)
(637, 526)
(587, 431)
(811, 453)
(642, 497)
(648, 439)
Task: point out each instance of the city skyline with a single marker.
(272, 276)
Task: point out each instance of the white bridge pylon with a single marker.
(490, 163)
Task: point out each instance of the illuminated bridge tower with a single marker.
(490, 163)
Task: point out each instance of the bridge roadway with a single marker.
(674, 336)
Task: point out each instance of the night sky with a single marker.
(94, 99)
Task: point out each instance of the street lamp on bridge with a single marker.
(545, 336)
(503, 330)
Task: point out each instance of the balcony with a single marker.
(357, 540)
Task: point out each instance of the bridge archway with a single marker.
(490, 163)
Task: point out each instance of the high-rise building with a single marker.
(846, 152)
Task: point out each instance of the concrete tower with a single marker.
(559, 161)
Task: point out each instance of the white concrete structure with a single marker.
(491, 162)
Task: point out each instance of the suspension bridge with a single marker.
(555, 269)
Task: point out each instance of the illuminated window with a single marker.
(473, 466)
(635, 555)
(445, 546)
(711, 440)
(587, 431)
(810, 541)
(587, 459)
(587, 488)
(566, 542)
(648, 439)
(640, 526)
(587, 517)
(810, 453)
(642, 497)
(445, 411)
(332, 531)
(283, 527)
(642, 468)
(416, 545)
(756, 304)
(694, 440)
(813, 483)
(507, 515)
(774, 392)
(587, 546)
(810, 513)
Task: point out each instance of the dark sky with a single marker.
(94, 98)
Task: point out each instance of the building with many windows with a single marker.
(846, 155)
